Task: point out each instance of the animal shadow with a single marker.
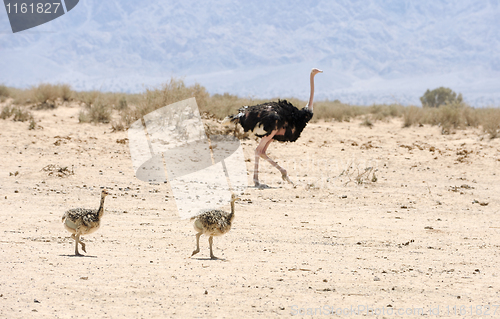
(208, 258)
(73, 255)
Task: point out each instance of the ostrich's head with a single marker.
(104, 193)
(316, 71)
(234, 198)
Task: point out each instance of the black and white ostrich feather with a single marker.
(264, 118)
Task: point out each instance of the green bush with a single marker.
(440, 96)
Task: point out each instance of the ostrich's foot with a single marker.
(195, 252)
(285, 177)
(259, 185)
(83, 247)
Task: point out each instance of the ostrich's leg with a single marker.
(260, 151)
(76, 243)
(83, 245)
(210, 242)
(197, 250)
(77, 240)
(284, 174)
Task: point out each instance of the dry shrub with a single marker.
(21, 96)
(122, 103)
(430, 116)
(412, 115)
(6, 112)
(83, 117)
(336, 110)
(383, 111)
(118, 126)
(4, 92)
(451, 117)
(20, 114)
(491, 122)
(367, 122)
(88, 97)
(66, 92)
(49, 92)
(32, 125)
(131, 107)
(98, 112)
(471, 116)
(127, 117)
(221, 105)
(171, 92)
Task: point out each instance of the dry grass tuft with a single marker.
(412, 115)
(118, 126)
(221, 105)
(4, 93)
(367, 122)
(88, 97)
(122, 103)
(32, 125)
(381, 112)
(98, 112)
(450, 117)
(21, 114)
(6, 112)
(173, 91)
(491, 123)
(131, 107)
(337, 111)
(46, 94)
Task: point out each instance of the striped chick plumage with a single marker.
(83, 221)
(212, 223)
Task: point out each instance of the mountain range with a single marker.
(373, 51)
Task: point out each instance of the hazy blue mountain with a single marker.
(371, 51)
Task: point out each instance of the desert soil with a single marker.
(421, 239)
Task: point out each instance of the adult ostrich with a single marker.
(280, 121)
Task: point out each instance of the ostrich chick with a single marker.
(83, 221)
(213, 223)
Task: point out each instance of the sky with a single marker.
(377, 51)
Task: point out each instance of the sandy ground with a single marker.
(421, 241)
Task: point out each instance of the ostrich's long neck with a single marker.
(231, 215)
(311, 96)
(100, 212)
